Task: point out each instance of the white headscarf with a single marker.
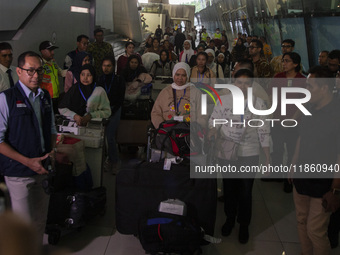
(221, 54)
(212, 65)
(186, 67)
(190, 52)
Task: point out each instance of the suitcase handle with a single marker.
(137, 173)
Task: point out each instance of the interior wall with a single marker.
(153, 20)
(21, 8)
(127, 19)
(55, 22)
(104, 14)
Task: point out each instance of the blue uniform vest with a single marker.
(23, 133)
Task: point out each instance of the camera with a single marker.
(47, 164)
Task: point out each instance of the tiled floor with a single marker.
(272, 230)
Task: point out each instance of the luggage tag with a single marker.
(167, 164)
(178, 118)
(211, 239)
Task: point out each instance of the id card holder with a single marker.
(178, 118)
(167, 164)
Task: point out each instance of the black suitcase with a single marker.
(141, 189)
(137, 110)
(70, 209)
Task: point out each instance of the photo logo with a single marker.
(238, 100)
(239, 106)
(202, 86)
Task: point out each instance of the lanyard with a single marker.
(242, 116)
(179, 102)
(108, 91)
(199, 76)
(133, 75)
(82, 94)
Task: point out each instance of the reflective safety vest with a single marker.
(50, 80)
(218, 36)
(204, 36)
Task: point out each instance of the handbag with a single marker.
(227, 149)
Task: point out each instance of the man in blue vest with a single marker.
(27, 137)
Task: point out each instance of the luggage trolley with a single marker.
(73, 206)
(135, 119)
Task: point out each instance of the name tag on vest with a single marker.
(21, 104)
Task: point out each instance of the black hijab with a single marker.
(77, 64)
(161, 63)
(76, 98)
(129, 74)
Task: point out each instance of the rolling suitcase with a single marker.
(141, 189)
(71, 208)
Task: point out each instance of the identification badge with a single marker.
(20, 104)
(167, 164)
(178, 118)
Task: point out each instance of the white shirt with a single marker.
(4, 80)
(254, 137)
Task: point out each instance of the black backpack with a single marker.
(174, 137)
(169, 233)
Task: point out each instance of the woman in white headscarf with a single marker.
(187, 53)
(179, 101)
(217, 69)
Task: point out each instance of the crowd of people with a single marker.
(253, 65)
(96, 86)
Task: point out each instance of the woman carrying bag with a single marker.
(245, 141)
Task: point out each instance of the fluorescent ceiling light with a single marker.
(79, 9)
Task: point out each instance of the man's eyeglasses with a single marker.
(252, 47)
(286, 46)
(31, 72)
(7, 55)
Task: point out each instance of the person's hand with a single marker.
(290, 175)
(36, 165)
(85, 119)
(78, 119)
(266, 174)
(267, 162)
(330, 202)
(212, 134)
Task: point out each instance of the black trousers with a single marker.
(238, 192)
